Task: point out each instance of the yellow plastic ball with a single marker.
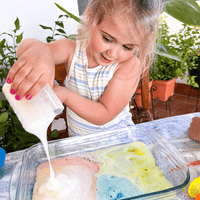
(194, 188)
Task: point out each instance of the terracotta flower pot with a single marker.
(165, 89)
(138, 98)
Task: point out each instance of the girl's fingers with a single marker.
(27, 81)
(29, 88)
(31, 85)
(14, 70)
(19, 78)
(34, 90)
(32, 71)
(23, 81)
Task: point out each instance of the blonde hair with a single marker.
(143, 14)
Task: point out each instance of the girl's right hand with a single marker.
(33, 69)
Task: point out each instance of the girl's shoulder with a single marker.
(63, 48)
(69, 44)
(128, 72)
(131, 65)
(68, 48)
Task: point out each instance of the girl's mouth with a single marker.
(105, 60)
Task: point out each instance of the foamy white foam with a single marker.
(77, 183)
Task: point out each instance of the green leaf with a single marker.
(3, 128)
(61, 30)
(186, 11)
(26, 137)
(5, 103)
(60, 16)
(17, 24)
(16, 122)
(3, 117)
(19, 38)
(54, 133)
(1, 103)
(16, 145)
(70, 14)
(2, 43)
(162, 50)
(4, 33)
(60, 23)
(46, 27)
(66, 16)
(50, 39)
(8, 148)
(72, 37)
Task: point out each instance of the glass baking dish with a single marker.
(166, 157)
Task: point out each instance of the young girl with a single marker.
(113, 48)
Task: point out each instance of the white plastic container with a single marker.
(45, 103)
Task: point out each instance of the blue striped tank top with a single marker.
(91, 83)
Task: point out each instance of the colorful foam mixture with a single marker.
(115, 173)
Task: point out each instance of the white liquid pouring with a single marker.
(39, 129)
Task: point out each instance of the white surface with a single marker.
(31, 13)
(58, 124)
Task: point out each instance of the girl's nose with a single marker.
(113, 51)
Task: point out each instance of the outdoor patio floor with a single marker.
(179, 105)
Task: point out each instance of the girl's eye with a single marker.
(107, 39)
(128, 48)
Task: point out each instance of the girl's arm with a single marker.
(36, 62)
(114, 99)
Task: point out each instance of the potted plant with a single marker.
(187, 43)
(186, 11)
(164, 70)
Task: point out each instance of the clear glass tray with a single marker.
(166, 157)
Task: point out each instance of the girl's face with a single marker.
(110, 43)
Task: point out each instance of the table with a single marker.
(174, 129)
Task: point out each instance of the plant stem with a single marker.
(14, 45)
(54, 29)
